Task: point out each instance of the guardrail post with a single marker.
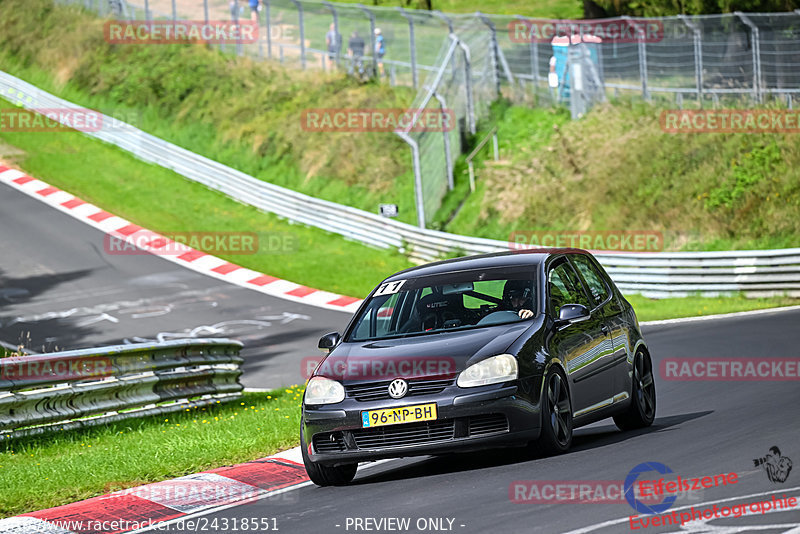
(371, 18)
(412, 46)
(336, 34)
(756, 48)
(447, 154)
(418, 198)
(299, 7)
(698, 55)
(269, 28)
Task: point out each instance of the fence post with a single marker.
(336, 34)
(467, 83)
(269, 28)
(371, 18)
(412, 46)
(534, 57)
(642, 57)
(698, 55)
(438, 14)
(174, 11)
(495, 59)
(446, 133)
(418, 199)
(147, 10)
(299, 7)
(756, 47)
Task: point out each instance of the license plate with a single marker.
(398, 416)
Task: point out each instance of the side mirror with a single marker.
(329, 341)
(572, 313)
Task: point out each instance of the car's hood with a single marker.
(427, 355)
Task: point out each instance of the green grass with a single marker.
(239, 112)
(163, 201)
(671, 308)
(615, 169)
(46, 471)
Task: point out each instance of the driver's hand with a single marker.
(525, 314)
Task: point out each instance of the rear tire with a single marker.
(326, 475)
(556, 436)
(642, 410)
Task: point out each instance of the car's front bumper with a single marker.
(466, 420)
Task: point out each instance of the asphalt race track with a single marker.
(58, 287)
(701, 428)
(60, 290)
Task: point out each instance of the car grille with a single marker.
(380, 390)
(480, 425)
(402, 435)
(323, 442)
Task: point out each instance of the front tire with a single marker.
(326, 475)
(556, 437)
(642, 410)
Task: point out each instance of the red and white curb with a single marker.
(181, 254)
(155, 505)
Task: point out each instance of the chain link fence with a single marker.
(464, 62)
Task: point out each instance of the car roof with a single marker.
(534, 256)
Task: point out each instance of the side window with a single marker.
(594, 280)
(565, 288)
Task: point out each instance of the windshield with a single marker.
(456, 300)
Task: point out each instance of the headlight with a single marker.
(490, 371)
(321, 390)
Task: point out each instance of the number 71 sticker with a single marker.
(389, 288)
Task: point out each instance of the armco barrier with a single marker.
(80, 388)
(761, 272)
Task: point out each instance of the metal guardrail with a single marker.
(79, 388)
(656, 274)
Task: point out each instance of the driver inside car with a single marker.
(517, 297)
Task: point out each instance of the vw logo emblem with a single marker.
(398, 388)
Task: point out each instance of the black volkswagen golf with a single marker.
(477, 352)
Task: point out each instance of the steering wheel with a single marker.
(498, 317)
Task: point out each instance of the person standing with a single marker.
(254, 10)
(333, 40)
(380, 49)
